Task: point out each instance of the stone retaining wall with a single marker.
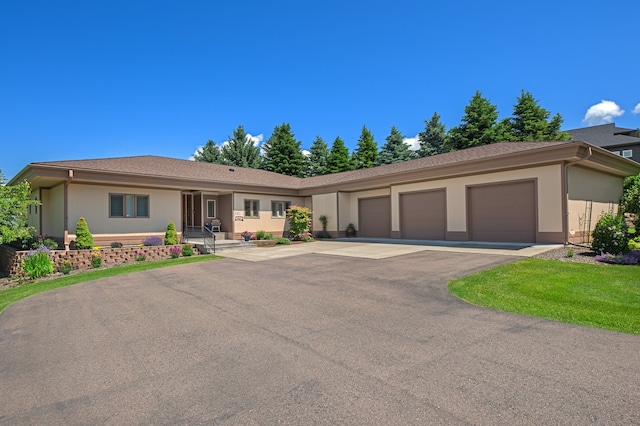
(11, 259)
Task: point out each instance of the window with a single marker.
(252, 208)
(211, 208)
(279, 208)
(616, 152)
(627, 153)
(128, 205)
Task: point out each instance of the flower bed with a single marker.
(11, 259)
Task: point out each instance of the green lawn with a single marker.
(14, 294)
(603, 296)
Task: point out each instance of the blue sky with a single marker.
(91, 79)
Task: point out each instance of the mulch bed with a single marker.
(580, 255)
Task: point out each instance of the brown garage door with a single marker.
(502, 212)
(423, 215)
(374, 217)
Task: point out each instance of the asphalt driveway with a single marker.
(310, 339)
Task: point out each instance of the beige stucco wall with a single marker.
(34, 212)
(55, 212)
(344, 210)
(603, 190)
(92, 203)
(325, 204)
(549, 196)
(265, 222)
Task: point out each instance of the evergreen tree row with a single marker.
(282, 153)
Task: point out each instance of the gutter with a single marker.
(566, 185)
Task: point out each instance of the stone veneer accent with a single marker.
(11, 259)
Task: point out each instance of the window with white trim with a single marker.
(627, 153)
(615, 152)
(252, 208)
(211, 209)
(279, 208)
(128, 205)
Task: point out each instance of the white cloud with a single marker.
(306, 153)
(636, 110)
(255, 139)
(414, 143)
(602, 113)
(197, 151)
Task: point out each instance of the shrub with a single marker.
(634, 245)
(283, 241)
(152, 241)
(305, 236)
(66, 267)
(323, 234)
(96, 259)
(116, 244)
(84, 239)
(187, 250)
(632, 258)
(37, 263)
(299, 220)
(610, 235)
(269, 237)
(49, 243)
(570, 253)
(171, 236)
(324, 220)
(175, 252)
(260, 235)
(140, 257)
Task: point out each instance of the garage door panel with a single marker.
(374, 217)
(423, 215)
(503, 212)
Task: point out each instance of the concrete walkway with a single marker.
(382, 248)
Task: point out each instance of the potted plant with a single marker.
(351, 230)
(246, 235)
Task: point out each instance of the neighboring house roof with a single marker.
(192, 175)
(606, 135)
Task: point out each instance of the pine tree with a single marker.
(479, 125)
(240, 150)
(210, 153)
(318, 155)
(395, 150)
(171, 235)
(530, 122)
(282, 152)
(432, 140)
(366, 153)
(339, 159)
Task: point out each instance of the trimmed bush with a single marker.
(37, 263)
(66, 267)
(171, 236)
(96, 259)
(84, 239)
(610, 235)
(116, 244)
(283, 241)
(187, 250)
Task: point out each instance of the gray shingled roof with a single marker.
(163, 167)
(604, 135)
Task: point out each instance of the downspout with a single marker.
(66, 211)
(566, 187)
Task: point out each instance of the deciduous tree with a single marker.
(14, 204)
